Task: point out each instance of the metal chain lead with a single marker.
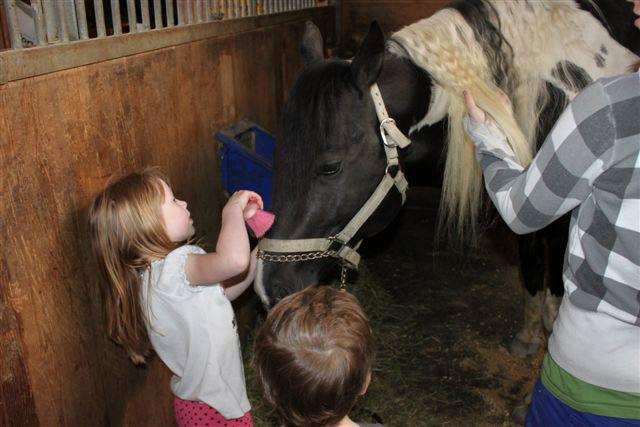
(343, 278)
(306, 256)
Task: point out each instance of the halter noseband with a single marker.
(337, 246)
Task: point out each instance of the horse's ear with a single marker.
(367, 63)
(311, 44)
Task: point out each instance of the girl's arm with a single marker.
(578, 149)
(232, 255)
(234, 288)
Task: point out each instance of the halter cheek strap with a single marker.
(337, 246)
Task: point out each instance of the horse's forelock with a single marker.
(308, 123)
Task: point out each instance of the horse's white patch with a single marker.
(258, 284)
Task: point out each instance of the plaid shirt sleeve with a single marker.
(574, 154)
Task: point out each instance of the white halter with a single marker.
(337, 246)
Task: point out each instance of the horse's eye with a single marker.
(330, 168)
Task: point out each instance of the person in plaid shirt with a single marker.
(590, 165)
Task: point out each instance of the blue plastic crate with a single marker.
(246, 159)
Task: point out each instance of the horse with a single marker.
(338, 168)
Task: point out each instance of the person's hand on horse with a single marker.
(474, 111)
(477, 113)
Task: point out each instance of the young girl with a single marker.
(165, 294)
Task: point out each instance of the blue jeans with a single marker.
(547, 411)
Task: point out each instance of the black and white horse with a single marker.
(333, 152)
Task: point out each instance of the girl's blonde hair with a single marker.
(127, 233)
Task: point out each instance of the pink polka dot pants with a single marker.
(192, 414)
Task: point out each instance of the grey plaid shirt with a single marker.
(589, 164)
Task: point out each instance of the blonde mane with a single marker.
(542, 35)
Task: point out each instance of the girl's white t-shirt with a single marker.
(193, 330)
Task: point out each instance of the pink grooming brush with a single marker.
(260, 222)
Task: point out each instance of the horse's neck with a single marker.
(406, 90)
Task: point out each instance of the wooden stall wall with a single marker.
(357, 15)
(62, 136)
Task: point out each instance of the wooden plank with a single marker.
(17, 406)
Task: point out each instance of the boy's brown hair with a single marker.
(313, 356)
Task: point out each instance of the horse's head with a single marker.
(330, 156)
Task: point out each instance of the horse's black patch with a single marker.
(483, 19)
(603, 49)
(575, 78)
(550, 107)
(600, 61)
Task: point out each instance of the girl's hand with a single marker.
(250, 210)
(247, 201)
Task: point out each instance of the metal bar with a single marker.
(157, 14)
(97, 5)
(189, 11)
(216, 8)
(207, 10)
(244, 7)
(231, 7)
(81, 13)
(170, 15)
(115, 17)
(12, 20)
(223, 9)
(131, 16)
(41, 31)
(146, 19)
(180, 7)
(62, 20)
(50, 20)
(71, 20)
(198, 10)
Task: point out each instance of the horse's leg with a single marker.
(528, 340)
(557, 236)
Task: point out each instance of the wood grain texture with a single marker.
(62, 136)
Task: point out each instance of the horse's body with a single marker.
(330, 157)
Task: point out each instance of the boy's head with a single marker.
(313, 356)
